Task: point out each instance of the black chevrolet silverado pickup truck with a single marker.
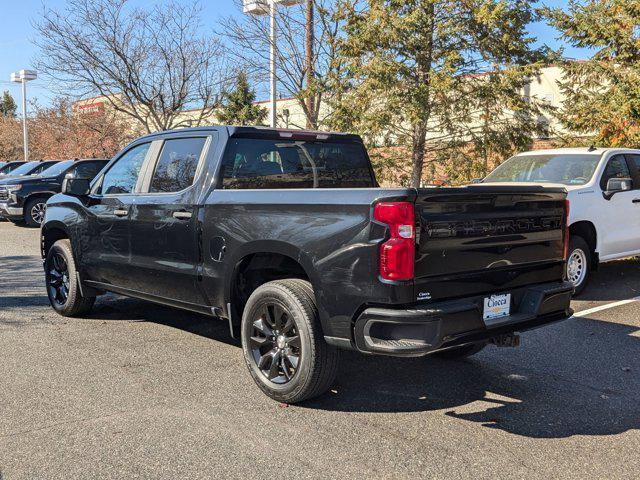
(287, 237)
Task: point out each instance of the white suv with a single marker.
(603, 188)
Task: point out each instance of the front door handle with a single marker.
(635, 200)
(182, 215)
(121, 213)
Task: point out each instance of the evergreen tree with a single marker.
(238, 107)
(603, 93)
(8, 106)
(439, 78)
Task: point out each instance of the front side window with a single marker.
(25, 168)
(616, 168)
(86, 169)
(57, 169)
(177, 165)
(123, 175)
(42, 167)
(568, 169)
(262, 164)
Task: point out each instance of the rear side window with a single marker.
(123, 175)
(262, 164)
(177, 165)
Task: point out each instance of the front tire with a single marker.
(578, 263)
(34, 211)
(283, 344)
(63, 289)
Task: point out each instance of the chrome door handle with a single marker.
(182, 215)
(121, 213)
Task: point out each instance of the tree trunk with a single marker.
(418, 153)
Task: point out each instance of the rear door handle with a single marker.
(636, 200)
(182, 215)
(121, 213)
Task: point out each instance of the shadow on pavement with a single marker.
(570, 392)
(613, 281)
(567, 380)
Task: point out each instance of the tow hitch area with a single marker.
(508, 340)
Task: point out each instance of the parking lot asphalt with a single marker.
(142, 391)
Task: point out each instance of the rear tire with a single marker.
(282, 342)
(458, 353)
(63, 289)
(578, 263)
(34, 212)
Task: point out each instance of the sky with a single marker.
(17, 51)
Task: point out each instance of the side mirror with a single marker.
(615, 185)
(76, 187)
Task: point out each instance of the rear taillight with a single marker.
(566, 231)
(397, 255)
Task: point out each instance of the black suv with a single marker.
(23, 199)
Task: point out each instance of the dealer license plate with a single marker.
(497, 306)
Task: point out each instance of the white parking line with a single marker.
(606, 306)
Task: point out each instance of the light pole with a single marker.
(23, 76)
(269, 7)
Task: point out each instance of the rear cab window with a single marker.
(288, 163)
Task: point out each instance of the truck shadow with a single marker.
(622, 275)
(581, 379)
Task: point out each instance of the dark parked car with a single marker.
(28, 168)
(8, 167)
(23, 199)
(286, 236)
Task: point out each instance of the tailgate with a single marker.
(479, 239)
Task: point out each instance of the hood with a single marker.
(20, 179)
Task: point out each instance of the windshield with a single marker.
(24, 169)
(568, 169)
(56, 169)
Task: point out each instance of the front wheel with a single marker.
(578, 263)
(34, 211)
(283, 344)
(63, 289)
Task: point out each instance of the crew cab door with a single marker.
(619, 216)
(106, 249)
(164, 233)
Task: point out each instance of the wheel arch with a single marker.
(260, 263)
(51, 233)
(587, 230)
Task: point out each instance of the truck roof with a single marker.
(264, 132)
(578, 151)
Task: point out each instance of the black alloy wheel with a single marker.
(62, 282)
(58, 279)
(283, 344)
(275, 344)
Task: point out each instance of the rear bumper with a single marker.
(10, 211)
(416, 332)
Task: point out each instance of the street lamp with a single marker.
(23, 76)
(269, 7)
